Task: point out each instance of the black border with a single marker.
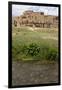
(10, 3)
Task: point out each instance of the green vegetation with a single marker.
(31, 44)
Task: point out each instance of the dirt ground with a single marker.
(29, 73)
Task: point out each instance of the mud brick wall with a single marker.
(35, 19)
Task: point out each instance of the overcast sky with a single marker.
(19, 9)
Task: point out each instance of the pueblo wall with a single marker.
(35, 19)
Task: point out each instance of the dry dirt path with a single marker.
(26, 73)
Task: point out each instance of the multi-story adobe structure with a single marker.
(35, 19)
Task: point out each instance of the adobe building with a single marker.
(35, 19)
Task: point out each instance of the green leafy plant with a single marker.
(52, 54)
(32, 49)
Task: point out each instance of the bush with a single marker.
(52, 54)
(25, 49)
(32, 49)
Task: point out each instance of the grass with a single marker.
(43, 38)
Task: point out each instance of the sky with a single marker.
(18, 10)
